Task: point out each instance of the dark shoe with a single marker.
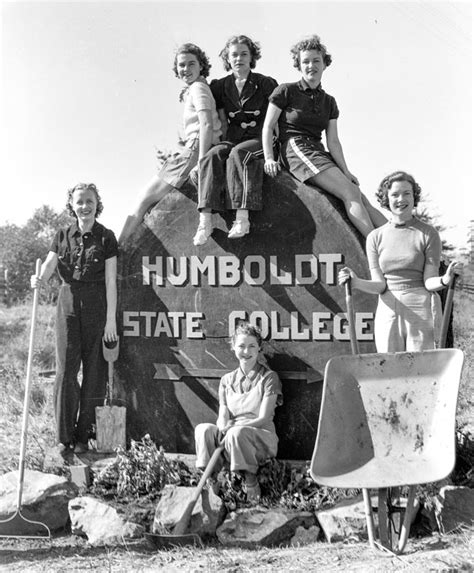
(80, 448)
(64, 449)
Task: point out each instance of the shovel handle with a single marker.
(181, 527)
(448, 305)
(350, 317)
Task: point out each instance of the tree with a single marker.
(423, 213)
(20, 246)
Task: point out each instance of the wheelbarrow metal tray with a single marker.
(387, 419)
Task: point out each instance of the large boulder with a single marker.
(45, 499)
(207, 515)
(454, 507)
(179, 303)
(100, 523)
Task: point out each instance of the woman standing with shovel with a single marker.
(85, 255)
(404, 258)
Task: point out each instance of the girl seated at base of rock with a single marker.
(202, 130)
(248, 397)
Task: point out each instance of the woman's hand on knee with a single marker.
(271, 167)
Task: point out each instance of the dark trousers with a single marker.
(231, 176)
(80, 322)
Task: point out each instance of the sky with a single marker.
(88, 93)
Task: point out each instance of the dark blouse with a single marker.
(305, 112)
(81, 257)
(245, 112)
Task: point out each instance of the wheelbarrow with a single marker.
(387, 420)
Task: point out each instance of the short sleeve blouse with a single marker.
(305, 112)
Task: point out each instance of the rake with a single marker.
(17, 525)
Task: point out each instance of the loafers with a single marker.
(64, 449)
(202, 234)
(239, 229)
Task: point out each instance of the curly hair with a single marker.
(89, 186)
(202, 59)
(387, 182)
(244, 327)
(310, 43)
(254, 48)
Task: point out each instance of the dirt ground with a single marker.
(449, 553)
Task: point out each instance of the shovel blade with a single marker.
(110, 428)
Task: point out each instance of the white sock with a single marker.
(205, 218)
(242, 215)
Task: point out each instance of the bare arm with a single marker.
(47, 269)
(110, 331)
(223, 417)
(376, 285)
(335, 149)
(271, 118)
(434, 282)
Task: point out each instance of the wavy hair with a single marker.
(254, 49)
(87, 186)
(244, 327)
(202, 59)
(311, 43)
(389, 180)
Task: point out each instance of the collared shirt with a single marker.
(198, 97)
(246, 111)
(81, 257)
(306, 112)
(243, 395)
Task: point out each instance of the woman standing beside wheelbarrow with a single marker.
(85, 255)
(404, 257)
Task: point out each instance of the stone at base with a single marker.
(100, 523)
(208, 513)
(268, 527)
(45, 498)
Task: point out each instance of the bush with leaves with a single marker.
(20, 246)
(141, 470)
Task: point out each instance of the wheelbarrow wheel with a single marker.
(395, 520)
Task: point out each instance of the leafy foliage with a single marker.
(141, 470)
(20, 246)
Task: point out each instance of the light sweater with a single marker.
(402, 252)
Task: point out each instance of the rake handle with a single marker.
(26, 403)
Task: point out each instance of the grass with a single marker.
(67, 553)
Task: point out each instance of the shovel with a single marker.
(180, 535)
(18, 525)
(110, 420)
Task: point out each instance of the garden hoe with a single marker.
(18, 525)
(180, 536)
(110, 420)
